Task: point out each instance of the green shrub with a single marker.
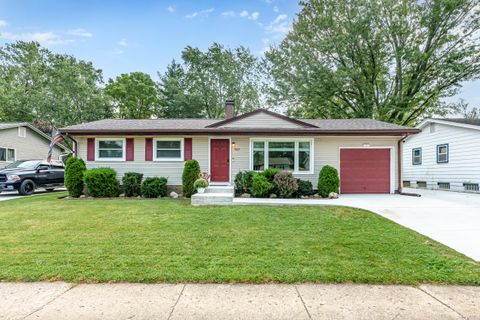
(328, 181)
(285, 184)
(305, 188)
(74, 176)
(270, 173)
(132, 184)
(154, 187)
(191, 172)
(200, 183)
(261, 187)
(102, 182)
(243, 181)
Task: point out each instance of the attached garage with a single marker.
(365, 170)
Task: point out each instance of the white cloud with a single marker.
(44, 38)
(123, 43)
(3, 23)
(229, 13)
(80, 32)
(255, 15)
(118, 52)
(275, 9)
(244, 13)
(201, 13)
(279, 27)
(171, 9)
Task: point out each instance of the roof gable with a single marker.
(262, 118)
(462, 123)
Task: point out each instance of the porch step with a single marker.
(206, 199)
(220, 189)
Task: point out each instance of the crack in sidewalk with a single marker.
(46, 304)
(176, 302)
(303, 302)
(446, 305)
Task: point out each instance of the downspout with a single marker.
(399, 166)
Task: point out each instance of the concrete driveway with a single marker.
(451, 218)
(8, 195)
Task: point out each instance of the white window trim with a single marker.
(97, 149)
(6, 154)
(296, 152)
(182, 150)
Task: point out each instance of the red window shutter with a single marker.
(148, 149)
(187, 149)
(91, 149)
(130, 150)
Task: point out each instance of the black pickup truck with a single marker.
(27, 175)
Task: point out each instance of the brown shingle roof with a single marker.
(200, 126)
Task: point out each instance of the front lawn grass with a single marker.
(46, 238)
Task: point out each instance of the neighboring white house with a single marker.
(445, 155)
(22, 141)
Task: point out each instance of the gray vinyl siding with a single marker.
(463, 157)
(33, 146)
(261, 120)
(326, 151)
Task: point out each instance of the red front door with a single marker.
(219, 160)
(365, 170)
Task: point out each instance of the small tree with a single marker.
(328, 181)
(191, 172)
(285, 184)
(74, 176)
(132, 183)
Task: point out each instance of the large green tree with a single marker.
(176, 101)
(135, 95)
(211, 77)
(49, 89)
(392, 60)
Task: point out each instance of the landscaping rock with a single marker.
(81, 196)
(333, 195)
(273, 195)
(173, 195)
(245, 195)
(316, 196)
(304, 197)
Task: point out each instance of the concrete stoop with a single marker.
(214, 195)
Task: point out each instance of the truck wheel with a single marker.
(27, 187)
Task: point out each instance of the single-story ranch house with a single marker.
(365, 151)
(445, 155)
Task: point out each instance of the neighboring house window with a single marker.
(442, 153)
(22, 132)
(7, 154)
(169, 150)
(290, 155)
(417, 156)
(111, 149)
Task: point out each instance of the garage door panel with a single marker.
(365, 170)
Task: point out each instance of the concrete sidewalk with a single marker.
(59, 300)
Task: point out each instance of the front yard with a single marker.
(45, 238)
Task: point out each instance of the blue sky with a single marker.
(145, 35)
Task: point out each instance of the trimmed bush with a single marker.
(102, 182)
(328, 181)
(270, 173)
(243, 181)
(191, 173)
(261, 187)
(305, 188)
(154, 187)
(132, 184)
(74, 176)
(200, 183)
(285, 184)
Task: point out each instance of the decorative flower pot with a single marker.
(201, 190)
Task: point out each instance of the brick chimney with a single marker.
(230, 108)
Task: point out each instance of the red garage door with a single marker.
(365, 170)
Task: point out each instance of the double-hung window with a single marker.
(290, 155)
(169, 150)
(442, 153)
(7, 154)
(417, 156)
(111, 149)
